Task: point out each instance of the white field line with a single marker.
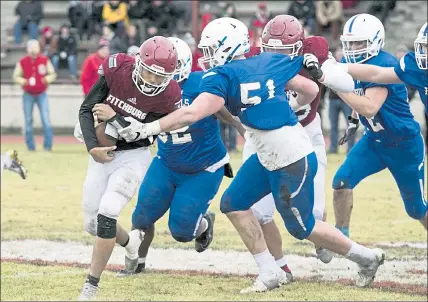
(227, 262)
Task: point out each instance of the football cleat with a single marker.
(140, 269)
(15, 164)
(267, 281)
(205, 239)
(89, 292)
(324, 255)
(289, 276)
(367, 273)
(131, 250)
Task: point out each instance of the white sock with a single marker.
(360, 254)
(141, 260)
(265, 261)
(281, 262)
(203, 226)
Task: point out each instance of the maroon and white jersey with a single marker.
(125, 98)
(317, 46)
(117, 89)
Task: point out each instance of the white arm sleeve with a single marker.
(336, 78)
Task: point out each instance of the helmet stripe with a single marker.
(426, 30)
(352, 23)
(374, 39)
(233, 52)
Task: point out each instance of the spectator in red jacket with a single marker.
(34, 73)
(89, 74)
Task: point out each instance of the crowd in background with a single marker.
(121, 26)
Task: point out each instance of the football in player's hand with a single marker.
(106, 139)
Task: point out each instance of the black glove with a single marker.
(312, 65)
(351, 130)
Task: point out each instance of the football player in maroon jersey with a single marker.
(141, 88)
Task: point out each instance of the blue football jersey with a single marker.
(409, 72)
(195, 147)
(253, 89)
(394, 120)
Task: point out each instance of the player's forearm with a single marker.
(372, 73)
(360, 104)
(97, 94)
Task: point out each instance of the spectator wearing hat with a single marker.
(34, 72)
(48, 42)
(66, 51)
(261, 17)
(90, 66)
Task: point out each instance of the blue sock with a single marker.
(344, 230)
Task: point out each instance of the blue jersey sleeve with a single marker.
(407, 69)
(215, 82)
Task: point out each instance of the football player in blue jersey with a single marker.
(284, 164)
(412, 69)
(392, 138)
(184, 176)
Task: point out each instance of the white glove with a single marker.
(310, 61)
(134, 131)
(78, 133)
(336, 78)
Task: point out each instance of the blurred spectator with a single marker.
(381, 9)
(48, 42)
(80, 16)
(400, 51)
(34, 73)
(118, 43)
(132, 37)
(347, 4)
(89, 74)
(229, 10)
(159, 19)
(136, 14)
(336, 105)
(262, 16)
(207, 16)
(97, 14)
(107, 33)
(115, 14)
(304, 11)
(28, 17)
(66, 51)
(132, 50)
(196, 54)
(329, 13)
(181, 10)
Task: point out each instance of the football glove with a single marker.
(351, 130)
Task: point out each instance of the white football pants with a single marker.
(109, 187)
(265, 207)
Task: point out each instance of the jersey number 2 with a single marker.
(255, 100)
(178, 136)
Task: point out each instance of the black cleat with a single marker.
(205, 239)
(140, 269)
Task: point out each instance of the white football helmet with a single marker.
(363, 37)
(221, 40)
(421, 47)
(184, 64)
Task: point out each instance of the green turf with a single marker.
(48, 206)
(31, 282)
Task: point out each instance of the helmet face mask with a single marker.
(421, 53)
(208, 60)
(290, 49)
(155, 64)
(363, 37)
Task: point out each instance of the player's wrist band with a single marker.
(353, 120)
(153, 128)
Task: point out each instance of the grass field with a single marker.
(48, 206)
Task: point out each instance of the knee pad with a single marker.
(90, 224)
(106, 228)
